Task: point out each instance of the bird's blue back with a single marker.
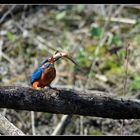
(37, 73)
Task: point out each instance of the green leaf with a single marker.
(83, 58)
(136, 40)
(135, 85)
(90, 48)
(80, 8)
(97, 31)
(117, 40)
(110, 38)
(61, 15)
(96, 132)
(11, 36)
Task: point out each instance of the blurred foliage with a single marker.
(116, 40)
(135, 84)
(96, 44)
(61, 15)
(96, 133)
(11, 37)
(97, 31)
(83, 58)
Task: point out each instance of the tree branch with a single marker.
(64, 101)
(60, 127)
(7, 128)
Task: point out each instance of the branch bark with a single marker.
(63, 101)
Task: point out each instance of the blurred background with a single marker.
(103, 39)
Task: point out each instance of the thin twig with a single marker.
(2, 54)
(126, 60)
(4, 111)
(118, 10)
(60, 125)
(7, 128)
(7, 13)
(103, 11)
(1, 44)
(33, 123)
(81, 125)
(122, 20)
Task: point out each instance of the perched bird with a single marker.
(46, 73)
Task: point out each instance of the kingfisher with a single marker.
(46, 72)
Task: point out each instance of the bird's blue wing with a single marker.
(43, 62)
(36, 74)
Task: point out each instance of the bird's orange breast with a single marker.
(47, 76)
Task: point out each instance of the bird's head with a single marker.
(51, 60)
(60, 54)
